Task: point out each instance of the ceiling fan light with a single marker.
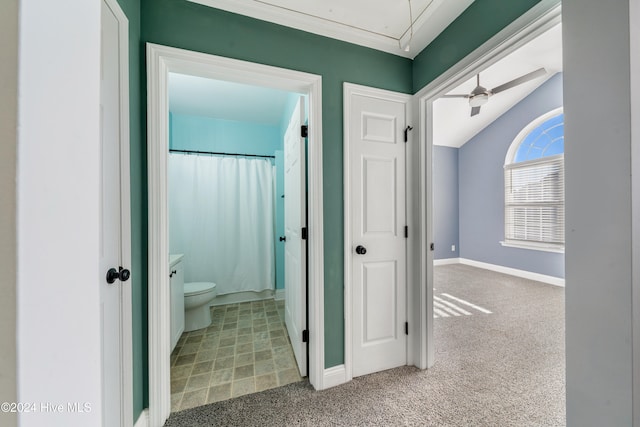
(478, 100)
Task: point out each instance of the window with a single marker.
(534, 186)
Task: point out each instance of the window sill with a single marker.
(534, 246)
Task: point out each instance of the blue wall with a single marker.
(481, 191)
(226, 136)
(445, 202)
(279, 219)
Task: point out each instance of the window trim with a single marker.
(509, 164)
(513, 148)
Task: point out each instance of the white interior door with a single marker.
(114, 232)
(378, 245)
(295, 267)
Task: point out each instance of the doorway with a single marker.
(237, 198)
(163, 61)
(532, 24)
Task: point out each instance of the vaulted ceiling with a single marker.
(453, 125)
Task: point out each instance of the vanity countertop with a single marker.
(174, 259)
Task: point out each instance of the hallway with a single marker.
(501, 368)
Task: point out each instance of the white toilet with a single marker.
(197, 297)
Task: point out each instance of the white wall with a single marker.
(58, 205)
(599, 281)
(8, 124)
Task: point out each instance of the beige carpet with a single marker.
(504, 368)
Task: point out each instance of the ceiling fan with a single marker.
(480, 95)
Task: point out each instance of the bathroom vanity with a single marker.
(176, 289)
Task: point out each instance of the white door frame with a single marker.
(540, 18)
(126, 314)
(162, 60)
(351, 89)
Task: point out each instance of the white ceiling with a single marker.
(198, 96)
(452, 124)
(378, 24)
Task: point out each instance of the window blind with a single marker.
(534, 201)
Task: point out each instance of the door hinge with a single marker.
(406, 133)
(304, 131)
(406, 328)
(406, 231)
(432, 246)
(305, 336)
(304, 233)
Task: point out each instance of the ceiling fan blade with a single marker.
(522, 79)
(454, 96)
(475, 111)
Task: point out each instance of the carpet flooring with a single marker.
(503, 368)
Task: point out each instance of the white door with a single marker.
(378, 246)
(295, 280)
(113, 233)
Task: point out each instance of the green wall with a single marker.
(138, 282)
(478, 23)
(186, 25)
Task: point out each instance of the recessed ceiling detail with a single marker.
(379, 24)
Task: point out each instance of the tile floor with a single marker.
(246, 349)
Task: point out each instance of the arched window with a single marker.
(534, 186)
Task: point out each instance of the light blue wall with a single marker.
(481, 180)
(445, 202)
(209, 134)
(279, 219)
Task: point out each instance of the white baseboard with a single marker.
(446, 261)
(552, 280)
(143, 419)
(334, 376)
(279, 294)
(238, 297)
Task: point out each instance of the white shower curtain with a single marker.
(221, 217)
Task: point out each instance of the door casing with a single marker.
(162, 60)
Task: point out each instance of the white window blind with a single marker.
(534, 202)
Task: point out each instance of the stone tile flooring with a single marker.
(246, 349)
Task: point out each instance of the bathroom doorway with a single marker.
(161, 62)
(236, 198)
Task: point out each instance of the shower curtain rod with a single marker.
(220, 154)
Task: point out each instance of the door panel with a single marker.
(378, 128)
(379, 290)
(295, 247)
(378, 217)
(379, 196)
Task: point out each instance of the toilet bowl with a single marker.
(197, 297)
